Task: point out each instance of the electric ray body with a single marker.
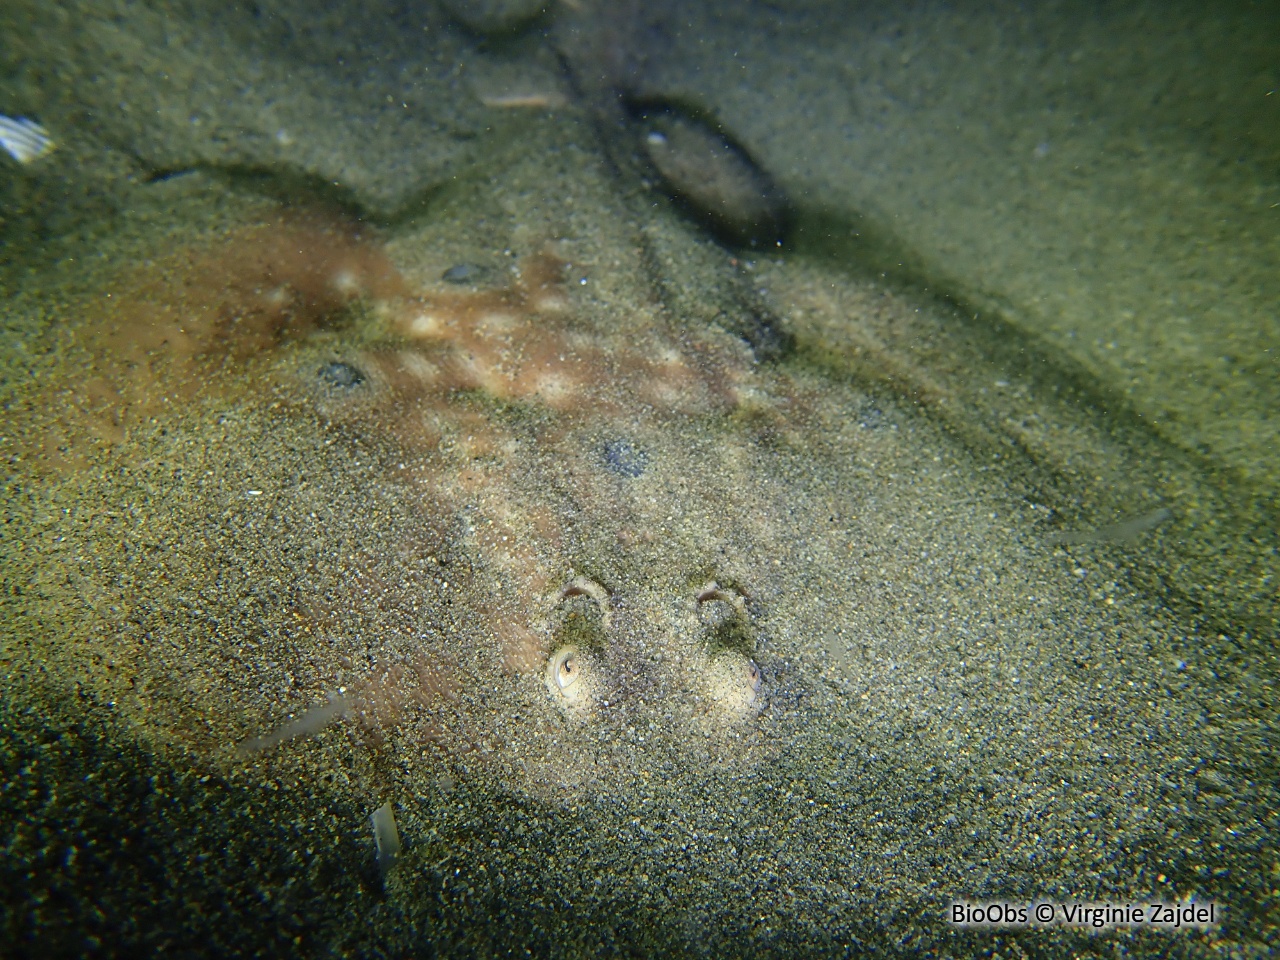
(484, 529)
(518, 535)
(611, 546)
(303, 511)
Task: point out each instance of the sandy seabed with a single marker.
(653, 643)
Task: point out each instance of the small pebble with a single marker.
(464, 273)
(624, 459)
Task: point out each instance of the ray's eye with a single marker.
(564, 670)
(578, 627)
(732, 683)
(732, 680)
(582, 616)
(570, 682)
(712, 591)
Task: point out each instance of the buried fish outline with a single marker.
(396, 515)
(537, 458)
(462, 527)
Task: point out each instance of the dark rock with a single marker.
(339, 374)
(712, 175)
(625, 459)
(465, 273)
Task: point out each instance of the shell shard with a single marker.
(386, 837)
(25, 140)
(312, 721)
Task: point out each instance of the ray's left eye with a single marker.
(564, 670)
(712, 591)
(570, 681)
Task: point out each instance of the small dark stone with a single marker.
(336, 373)
(870, 417)
(163, 176)
(464, 273)
(625, 459)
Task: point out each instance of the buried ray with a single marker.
(358, 530)
(434, 554)
(409, 526)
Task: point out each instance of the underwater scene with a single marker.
(579, 479)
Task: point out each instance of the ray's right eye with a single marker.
(586, 587)
(582, 616)
(578, 628)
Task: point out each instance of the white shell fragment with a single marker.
(24, 140)
(386, 836)
(312, 721)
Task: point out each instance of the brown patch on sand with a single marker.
(396, 692)
(168, 330)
